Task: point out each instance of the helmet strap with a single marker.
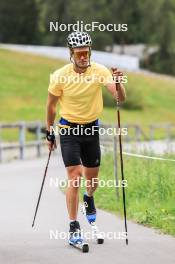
(89, 56)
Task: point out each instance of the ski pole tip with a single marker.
(126, 241)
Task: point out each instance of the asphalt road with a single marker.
(20, 244)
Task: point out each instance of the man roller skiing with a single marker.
(80, 106)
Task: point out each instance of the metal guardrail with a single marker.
(38, 128)
(168, 128)
(137, 133)
(23, 127)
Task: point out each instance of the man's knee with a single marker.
(74, 176)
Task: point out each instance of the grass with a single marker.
(24, 81)
(157, 103)
(150, 192)
(23, 92)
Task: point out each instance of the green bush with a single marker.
(160, 63)
(134, 100)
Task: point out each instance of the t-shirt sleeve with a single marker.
(105, 76)
(55, 87)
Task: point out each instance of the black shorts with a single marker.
(80, 149)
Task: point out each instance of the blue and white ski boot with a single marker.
(75, 238)
(89, 210)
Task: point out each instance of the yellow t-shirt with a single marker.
(80, 94)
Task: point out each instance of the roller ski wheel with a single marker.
(75, 238)
(84, 247)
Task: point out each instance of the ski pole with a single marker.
(121, 159)
(42, 185)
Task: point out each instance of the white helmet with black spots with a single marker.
(79, 39)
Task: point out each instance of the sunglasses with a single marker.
(80, 54)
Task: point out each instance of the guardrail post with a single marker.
(168, 137)
(137, 133)
(22, 130)
(168, 132)
(151, 132)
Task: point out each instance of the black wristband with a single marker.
(50, 136)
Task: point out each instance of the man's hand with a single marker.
(50, 117)
(116, 88)
(51, 141)
(117, 74)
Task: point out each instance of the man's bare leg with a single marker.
(91, 175)
(72, 192)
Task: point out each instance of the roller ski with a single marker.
(89, 210)
(75, 238)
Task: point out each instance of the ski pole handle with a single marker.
(117, 84)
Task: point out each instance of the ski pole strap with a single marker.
(50, 136)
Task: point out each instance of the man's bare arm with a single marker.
(120, 93)
(52, 101)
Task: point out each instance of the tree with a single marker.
(164, 35)
(18, 21)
